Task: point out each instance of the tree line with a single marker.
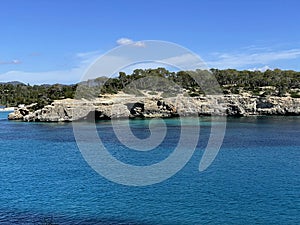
(15, 94)
(270, 82)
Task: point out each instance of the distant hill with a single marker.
(15, 83)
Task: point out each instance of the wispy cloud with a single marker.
(11, 62)
(66, 76)
(87, 57)
(46, 77)
(84, 55)
(128, 41)
(240, 60)
(110, 64)
(73, 74)
(186, 61)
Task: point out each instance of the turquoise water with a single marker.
(255, 179)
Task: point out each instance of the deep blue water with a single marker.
(255, 178)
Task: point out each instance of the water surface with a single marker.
(255, 179)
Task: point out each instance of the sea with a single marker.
(254, 178)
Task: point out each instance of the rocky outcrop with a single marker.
(129, 106)
(278, 106)
(21, 112)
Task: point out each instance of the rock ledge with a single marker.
(129, 106)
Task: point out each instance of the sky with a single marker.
(55, 41)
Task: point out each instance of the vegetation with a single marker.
(271, 82)
(12, 94)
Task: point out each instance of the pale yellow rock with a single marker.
(124, 105)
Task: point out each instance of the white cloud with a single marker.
(124, 41)
(127, 41)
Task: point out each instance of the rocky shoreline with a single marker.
(130, 106)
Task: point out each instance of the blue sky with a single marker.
(45, 41)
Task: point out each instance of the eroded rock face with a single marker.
(279, 106)
(146, 107)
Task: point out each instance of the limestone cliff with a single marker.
(129, 106)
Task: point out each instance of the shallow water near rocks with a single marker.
(255, 178)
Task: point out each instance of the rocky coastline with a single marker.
(130, 106)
